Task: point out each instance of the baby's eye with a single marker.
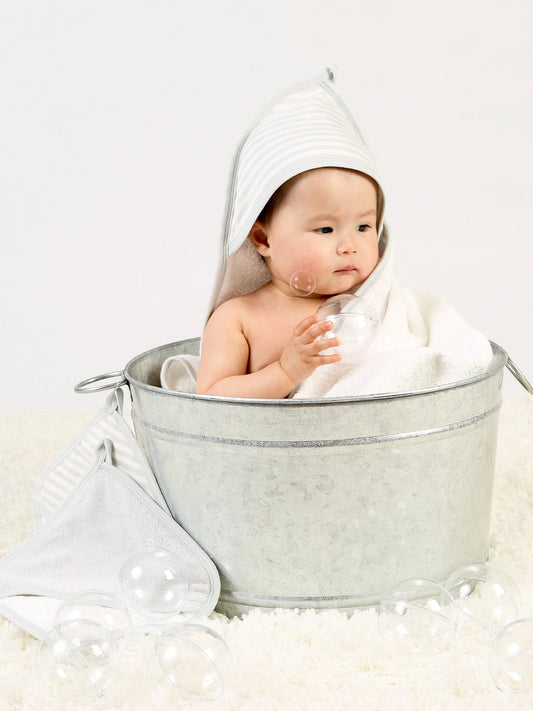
(324, 230)
(362, 228)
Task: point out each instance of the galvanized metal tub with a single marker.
(323, 503)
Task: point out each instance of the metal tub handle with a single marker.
(87, 386)
(513, 368)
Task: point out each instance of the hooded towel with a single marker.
(422, 342)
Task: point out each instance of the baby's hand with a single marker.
(301, 355)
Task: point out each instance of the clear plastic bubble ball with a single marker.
(194, 659)
(302, 283)
(155, 582)
(418, 617)
(511, 657)
(77, 657)
(354, 321)
(100, 607)
(485, 594)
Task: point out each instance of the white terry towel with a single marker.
(105, 518)
(423, 342)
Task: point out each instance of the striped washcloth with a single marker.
(58, 481)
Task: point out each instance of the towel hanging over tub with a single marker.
(104, 514)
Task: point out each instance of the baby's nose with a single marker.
(347, 244)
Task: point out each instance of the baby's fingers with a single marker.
(315, 330)
(304, 325)
(328, 359)
(323, 344)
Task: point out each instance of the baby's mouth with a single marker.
(344, 269)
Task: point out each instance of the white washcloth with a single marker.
(179, 373)
(81, 546)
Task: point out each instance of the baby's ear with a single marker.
(259, 238)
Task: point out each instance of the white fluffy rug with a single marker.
(285, 661)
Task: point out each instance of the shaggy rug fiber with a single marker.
(284, 660)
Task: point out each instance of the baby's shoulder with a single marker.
(238, 308)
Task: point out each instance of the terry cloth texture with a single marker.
(103, 516)
(422, 343)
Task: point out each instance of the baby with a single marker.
(263, 344)
(306, 196)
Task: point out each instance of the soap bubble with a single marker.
(155, 582)
(511, 657)
(485, 594)
(194, 659)
(418, 617)
(99, 607)
(354, 321)
(302, 283)
(76, 656)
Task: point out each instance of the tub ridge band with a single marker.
(168, 434)
(349, 602)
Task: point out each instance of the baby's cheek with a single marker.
(373, 257)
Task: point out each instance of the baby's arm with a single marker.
(225, 355)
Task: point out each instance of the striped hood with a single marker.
(308, 127)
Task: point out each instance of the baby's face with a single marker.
(326, 225)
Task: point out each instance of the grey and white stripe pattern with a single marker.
(307, 128)
(60, 479)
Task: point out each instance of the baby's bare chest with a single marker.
(268, 334)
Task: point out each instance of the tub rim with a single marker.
(500, 360)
